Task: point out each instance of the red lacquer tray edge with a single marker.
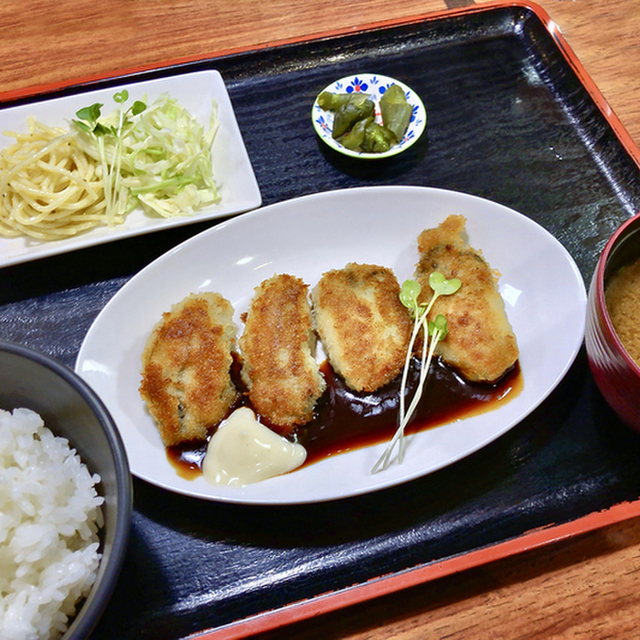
(385, 585)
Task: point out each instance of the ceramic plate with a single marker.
(375, 85)
(195, 91)
(306, 237)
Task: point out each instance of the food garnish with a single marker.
(108, 140)
(157, 155)
(433, 332)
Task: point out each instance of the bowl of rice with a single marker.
(612, 335)
(65, 500)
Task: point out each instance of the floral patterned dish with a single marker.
(375, 85)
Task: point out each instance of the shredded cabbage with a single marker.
(158, 156)
(166, 159)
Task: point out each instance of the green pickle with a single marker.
(377, 138)
(358, 107)
(396, 111)
(354, 138)
(333, 101)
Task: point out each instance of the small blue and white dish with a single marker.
(374, 85)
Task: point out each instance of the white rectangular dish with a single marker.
(195, 91)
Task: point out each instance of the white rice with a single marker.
(49, 520)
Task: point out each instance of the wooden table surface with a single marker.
(584, 587)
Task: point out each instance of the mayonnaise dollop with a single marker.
(243, 451)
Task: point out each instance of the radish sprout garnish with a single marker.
(433, 332)
(108, 139)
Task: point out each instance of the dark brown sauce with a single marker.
(346, 420)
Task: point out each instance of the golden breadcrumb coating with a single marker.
(186, 368)
(364, 328)
(278, 347)
(480, 344)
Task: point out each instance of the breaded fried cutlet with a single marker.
(186, 368)
(363, 326)
(278, 347)
(480, 343)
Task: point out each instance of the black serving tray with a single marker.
(512, 117)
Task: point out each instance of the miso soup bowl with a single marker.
(616, 373)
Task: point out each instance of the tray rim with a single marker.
(382, 585)
(332, 601)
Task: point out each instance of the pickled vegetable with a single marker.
(377, 138)
(333, 101)
(354, 138)
(396, 111)
(358, 107)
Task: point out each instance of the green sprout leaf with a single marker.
(83, 125)
(121, 97)
(442, 286)
(438, 327)
(91, 113)
(409, 293)
(138, 107)
(102, 130)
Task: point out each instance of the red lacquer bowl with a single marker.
(616, 373)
